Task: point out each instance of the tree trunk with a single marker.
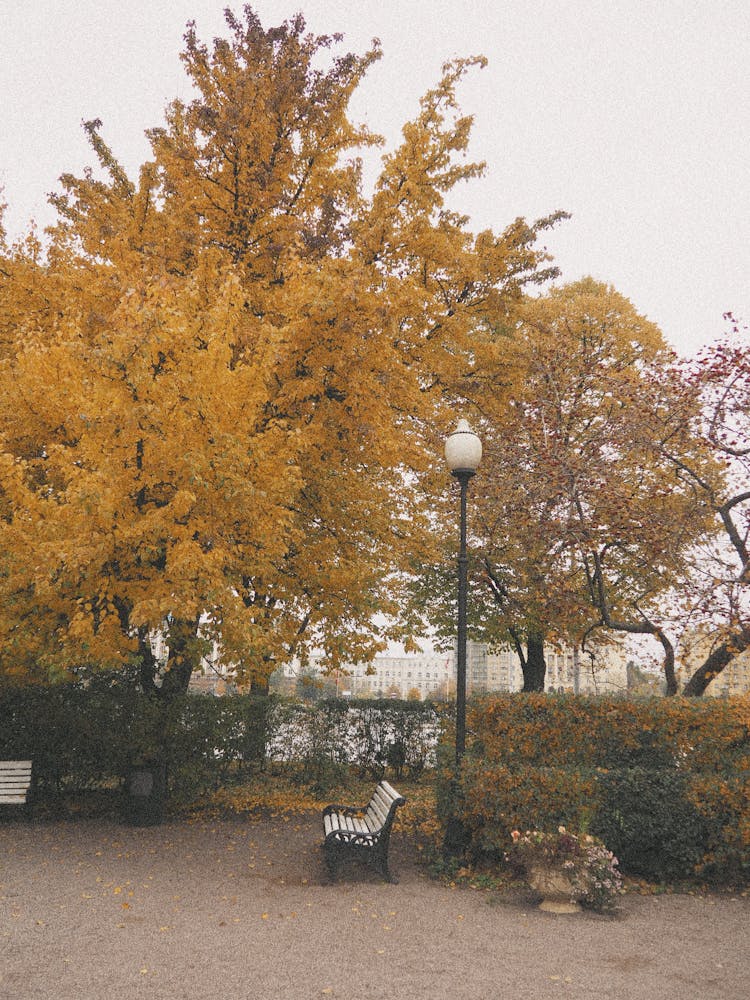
(176, 679)
(180, 665)
(668, 662)
(147, 663)
(184, 657)
(714, 663)
(259, 685)
(534, 665)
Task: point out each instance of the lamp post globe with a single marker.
(463, 450)
(463, 453)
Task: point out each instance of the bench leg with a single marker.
(375, 857)
(330, 857)
(380, 863)
(393, 879)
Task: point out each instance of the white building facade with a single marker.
(432, 674)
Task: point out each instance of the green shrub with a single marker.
(647, 820)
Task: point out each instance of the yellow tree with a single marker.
(220, 410)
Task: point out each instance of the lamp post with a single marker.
(463, 453)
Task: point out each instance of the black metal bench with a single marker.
(361, 833)
(15, 782)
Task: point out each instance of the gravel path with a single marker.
(235, 910)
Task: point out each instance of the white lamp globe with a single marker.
(463, 449)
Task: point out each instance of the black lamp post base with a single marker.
(457, 838)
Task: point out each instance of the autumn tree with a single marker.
(581, 528)
(219, 378)
(613, 493)
(705, 402)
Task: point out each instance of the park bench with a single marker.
(361, 833)
(15, 782)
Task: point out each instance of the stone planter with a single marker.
(555, 887)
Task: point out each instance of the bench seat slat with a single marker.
(389, 790)
(373, 825)
(376, 814)
(381, 801)
(15, 782)
(384, 801)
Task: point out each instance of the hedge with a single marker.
(85, 736)
(375, 737)
(664, 782)
(545, 730)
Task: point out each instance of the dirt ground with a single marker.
(237, 910)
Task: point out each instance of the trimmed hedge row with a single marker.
(86, 736)
(544, 730)
(664, 783)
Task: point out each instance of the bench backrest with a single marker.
(382, 807)
(15, 779)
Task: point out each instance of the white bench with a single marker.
(363, 833)
(15, 782)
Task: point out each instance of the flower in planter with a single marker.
(590, 869)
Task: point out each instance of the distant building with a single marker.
(603, 671)
(432, 674)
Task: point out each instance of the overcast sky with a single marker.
(633, 115)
